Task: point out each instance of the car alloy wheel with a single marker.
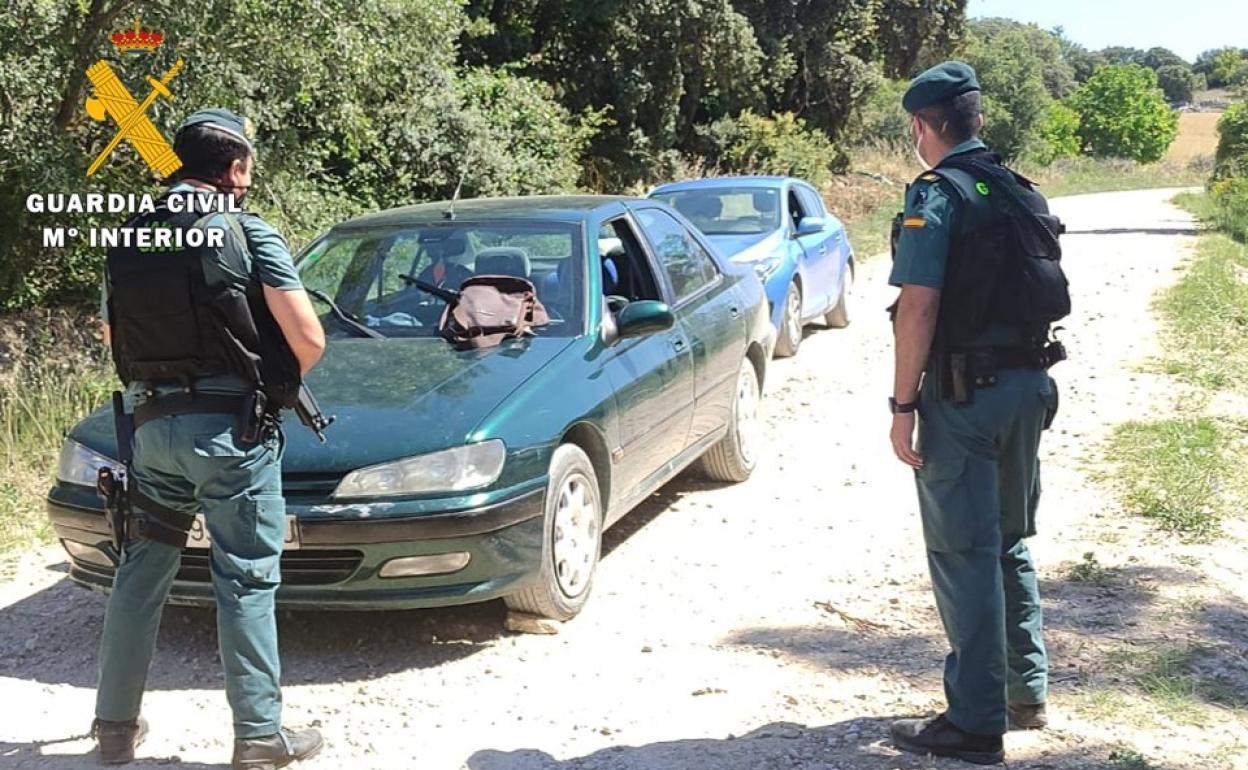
(575, 536)
(571, 540)
(733, 457)
(791, 323)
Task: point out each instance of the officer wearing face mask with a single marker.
(978, 264)
(210, 343)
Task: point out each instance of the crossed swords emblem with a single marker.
(114, 101)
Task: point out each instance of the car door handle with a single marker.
(678, 343)
(734, 311)
(823, 250)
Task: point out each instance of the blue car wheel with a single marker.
(790, 332)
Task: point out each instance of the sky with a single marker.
(1186, 27)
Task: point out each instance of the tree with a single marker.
(1043, 50)
(1010, 62)
(1222, 66)
(1231, 158)
(1058, 135)
(1177, 82)
(1156, 58)
(1081, 61)
(1122, 113)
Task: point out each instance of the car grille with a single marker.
(313, 567)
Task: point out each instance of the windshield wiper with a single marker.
(345, 318)
(446, 295)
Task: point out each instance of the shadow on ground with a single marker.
(51, 636)
(32, 755)
(857, 744)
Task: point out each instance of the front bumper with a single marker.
(339, 562)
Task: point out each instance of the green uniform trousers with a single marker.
(978, 491)
(195, 462)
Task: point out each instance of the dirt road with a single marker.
(776, 624)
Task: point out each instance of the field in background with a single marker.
(1198, 137)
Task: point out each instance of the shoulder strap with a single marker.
(968, 166)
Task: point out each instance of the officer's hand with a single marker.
(902, 436)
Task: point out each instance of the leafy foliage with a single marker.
(1011, 60)
(1230, 200)
(1058, 135)
(1231, 158)
(1178, 82)
(1123, 114)
(783, 145)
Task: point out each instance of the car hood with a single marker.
(748, 248)
(393, 398)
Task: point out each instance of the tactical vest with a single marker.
(1004, 265)
(172, 325)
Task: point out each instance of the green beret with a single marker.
(222, 120)
(939, 84)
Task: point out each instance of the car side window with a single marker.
(626, 271)
(688, 265)
(811, 203)
(796, 209)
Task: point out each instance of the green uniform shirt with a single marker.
(266, 256)
(928, 225)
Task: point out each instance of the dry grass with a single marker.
(1198, 137)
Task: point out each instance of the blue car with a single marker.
(780, 226)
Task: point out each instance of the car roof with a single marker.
(769, 182)
(568, 208)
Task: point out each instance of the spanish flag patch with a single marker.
(915, 222)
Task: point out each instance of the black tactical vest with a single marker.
(171, 324)
(1004, 263)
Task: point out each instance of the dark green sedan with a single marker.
(453, 476)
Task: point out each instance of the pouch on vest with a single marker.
(489, 309)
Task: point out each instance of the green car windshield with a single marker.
(727, 210)
(364, 269)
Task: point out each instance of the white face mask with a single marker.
(914, 145)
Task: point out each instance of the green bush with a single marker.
(1231, 158)
(1123, 114)
(783, 144)
(1230, 199)
(1057, 135)
(881, 118)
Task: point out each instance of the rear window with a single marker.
(727, 210)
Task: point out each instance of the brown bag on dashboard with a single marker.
(490, 309)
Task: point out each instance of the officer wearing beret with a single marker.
(200, 337)
(978, 388)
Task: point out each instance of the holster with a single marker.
(116, 505)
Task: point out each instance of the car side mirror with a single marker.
(811, 225)
(644, 317)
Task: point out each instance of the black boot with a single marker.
(277, 750)
(118, 740)
(1026, 716)
(942, 738)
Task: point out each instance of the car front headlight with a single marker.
(79, 465)
(451, 470)
(766, 266)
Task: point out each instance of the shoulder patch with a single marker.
(914, 222)
(930, 177)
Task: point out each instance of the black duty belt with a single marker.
(185, 403)
(1017, 358)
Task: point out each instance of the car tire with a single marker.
(790, 337)
(733, 458)
(571, 540)
(838, 316)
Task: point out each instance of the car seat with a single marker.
(504, 260)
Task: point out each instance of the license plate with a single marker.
(198, 536)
